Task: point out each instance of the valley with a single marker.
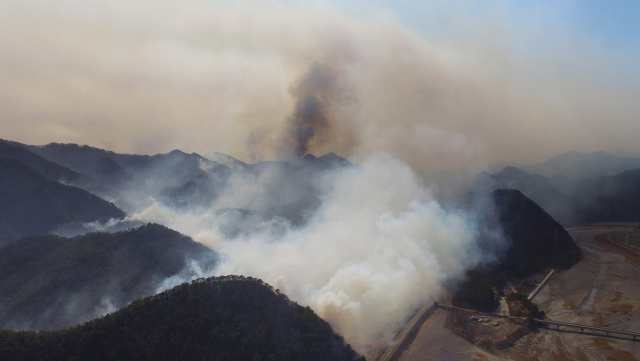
(321, 180)
(273, 219)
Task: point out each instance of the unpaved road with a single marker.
(408, 333)
(601, 290)
(435, 342)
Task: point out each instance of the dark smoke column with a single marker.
(310, 123)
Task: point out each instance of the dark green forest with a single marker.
(536, 242)
(476, 294)
(575, 201)
(220, 318)
(48, 169)
(32, 204)
(49, 282)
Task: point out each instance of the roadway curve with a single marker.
(408, 333)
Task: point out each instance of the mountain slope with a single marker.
(93, 161)
(271, 188)
(31, 204)
(50, 170)
(536, 241)
(81, 158)
(223, 159)
(130, 179)
(580, 165)
(608, 199)
(575, 201)
(181, 180)
(221, 318)
(49, 282)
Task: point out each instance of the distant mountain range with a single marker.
(183, 180)
(178, 180)
(583, 165)
(573, 187)
(127, 177)
(230, 318)
(50, 282)
(573, 201)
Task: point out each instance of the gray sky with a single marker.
(450, 86)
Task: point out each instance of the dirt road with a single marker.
(603, 289)
(600, 290)
(435, 342)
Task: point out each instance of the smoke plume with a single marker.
(378, 247)
(310, 123)
(217, 76)
(136, 77)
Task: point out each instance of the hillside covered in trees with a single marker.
(576, 201)
(49, 282)
(220, 318)
(535, 242)
(48, 169)
(32, 204)
(475, 294)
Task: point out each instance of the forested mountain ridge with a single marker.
(219, 318)
(609, 199)
(125, 177)
(180, 180)
(536, 241)
(32, 204)
(49, 282)
(48, 169)
(101, 164)
(526, 238)
(573, 201)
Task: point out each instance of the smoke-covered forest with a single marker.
(57, 281)
(362, 160)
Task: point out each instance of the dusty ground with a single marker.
(486, 331)
(435, 342)
(603, 289)
(631, 240)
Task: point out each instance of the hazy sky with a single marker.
(440, 85)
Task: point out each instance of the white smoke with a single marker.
(378, 248)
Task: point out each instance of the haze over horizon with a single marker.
(452, 86)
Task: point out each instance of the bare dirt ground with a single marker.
(603, 289)
(436, 342)
(631, 240)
